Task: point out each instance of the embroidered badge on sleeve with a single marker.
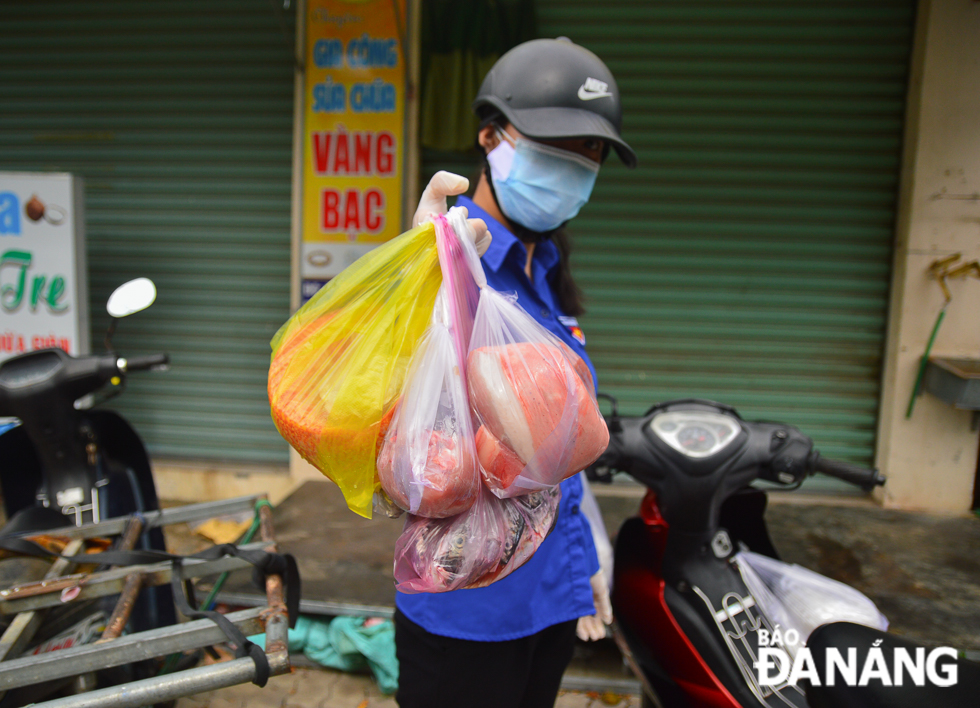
(572, 324)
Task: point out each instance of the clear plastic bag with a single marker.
(475, 548)
(382, 504)
(534, 398)
(427, 464)
(462, 277)
(797, 598)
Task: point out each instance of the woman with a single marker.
(549, 113)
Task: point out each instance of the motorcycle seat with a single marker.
(845, 635)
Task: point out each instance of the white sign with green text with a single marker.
(43, 287)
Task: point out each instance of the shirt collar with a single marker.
(503, 242)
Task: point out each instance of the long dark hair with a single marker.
(570, 295)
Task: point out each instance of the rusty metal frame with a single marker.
(48, 593)
(28, 602)
(162, 517)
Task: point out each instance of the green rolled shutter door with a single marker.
(178, 115)
(747, 259)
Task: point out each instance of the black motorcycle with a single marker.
(65, 462)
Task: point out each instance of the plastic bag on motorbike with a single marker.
(427, 464)
(534, 398)
(797, 598)
(476, 548)
(339, 363)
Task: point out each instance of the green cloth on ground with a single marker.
(345, 643)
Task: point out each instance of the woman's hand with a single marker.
(444, 184)
(593, 627)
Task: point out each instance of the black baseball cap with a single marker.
(554, 89)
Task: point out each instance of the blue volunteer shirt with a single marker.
(553, 586)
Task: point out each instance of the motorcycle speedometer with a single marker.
(695, 433)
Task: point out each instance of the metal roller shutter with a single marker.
(747, 259)
(178, 115)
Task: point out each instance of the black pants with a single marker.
(440, 672)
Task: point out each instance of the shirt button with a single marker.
(545, 313)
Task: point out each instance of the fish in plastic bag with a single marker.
(476, 548)
(339, 363)
(534, 399)
(529, 520)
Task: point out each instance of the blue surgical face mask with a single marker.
(539, 186)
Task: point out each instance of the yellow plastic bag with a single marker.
(339, 363)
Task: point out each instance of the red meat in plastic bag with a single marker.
(499, 462)
(427, 464)
(451, 479)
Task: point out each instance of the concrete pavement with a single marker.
(920, 570)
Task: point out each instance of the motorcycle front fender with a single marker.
(123, 449)
(21, 474)
(672, 626)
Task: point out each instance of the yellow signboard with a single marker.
(354, 133)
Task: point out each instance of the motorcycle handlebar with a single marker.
(854, 474)
(142, 363)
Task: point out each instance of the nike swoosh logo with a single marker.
(586, 95)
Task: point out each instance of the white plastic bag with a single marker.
(796, 598)
(600, 537)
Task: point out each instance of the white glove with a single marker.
(593, 627)
(433, 201)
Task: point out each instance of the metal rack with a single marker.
(28, 603)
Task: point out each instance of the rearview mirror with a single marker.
(131, 297)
